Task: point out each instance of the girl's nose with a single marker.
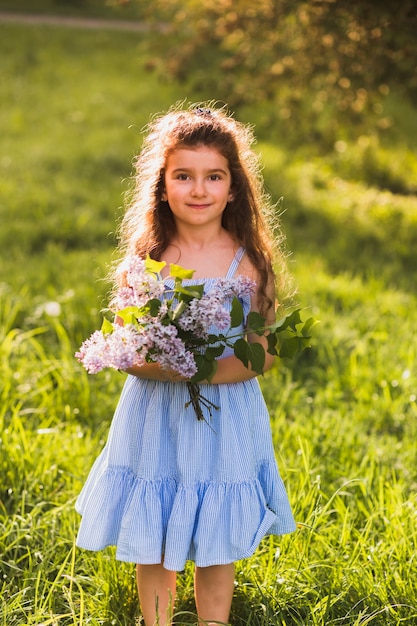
(199, 188)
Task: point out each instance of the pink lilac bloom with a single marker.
(125, 347)
(144, 284)
(180, 360)
(139, 284)
(191, 319)
(201, 315)
(92, 353)
(213, 312)
(118, 350)
(241, 286)
(170, 350)
(124, 297)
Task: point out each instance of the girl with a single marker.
(168, 487)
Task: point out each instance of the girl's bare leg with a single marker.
(156, 588)
(213, 592)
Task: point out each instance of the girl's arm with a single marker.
(229, 370)
(152, 371)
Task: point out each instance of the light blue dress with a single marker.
(168, 487)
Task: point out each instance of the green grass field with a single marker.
(343, 414)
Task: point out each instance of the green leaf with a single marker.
(308, 325)
(288, 321)
(215, 339)
(255, 323)
(290, 347)
(176, 271)
(292, 334)
(272, 343)
(178, 311)
(257, 357)
(252, 354)
(213, 370)
(107, 327)
(153, 267)
(205, 368)
(236, 314)
(294, 318)
(214, 352)
(240, 349)
(130, 314)
(194, 291)
(154, 306)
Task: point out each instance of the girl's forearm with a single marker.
(152, 371)
(229, 370)
(232, 370)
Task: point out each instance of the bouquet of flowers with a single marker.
(173, 326)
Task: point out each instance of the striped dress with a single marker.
(168, 488)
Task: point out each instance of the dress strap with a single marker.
(235, 263)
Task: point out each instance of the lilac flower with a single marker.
(124, 297)
(144, 284)
(92, 353)
(204, 314)
(241, 286)
(177, 358)
(119, 350)
(125, 347)
(211, 306)
(170, 350)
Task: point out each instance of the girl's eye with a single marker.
(215, 177)
(182, 177)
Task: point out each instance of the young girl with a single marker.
(167, 487)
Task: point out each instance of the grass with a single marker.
(343, 414)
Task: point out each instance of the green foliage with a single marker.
(343, 413)
(346, 56)
(347, 207)
(69, 126)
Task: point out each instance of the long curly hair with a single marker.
(148, 224)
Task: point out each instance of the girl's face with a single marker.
(197, 185)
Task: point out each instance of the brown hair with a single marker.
(148, 224)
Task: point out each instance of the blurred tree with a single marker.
(345, 55)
